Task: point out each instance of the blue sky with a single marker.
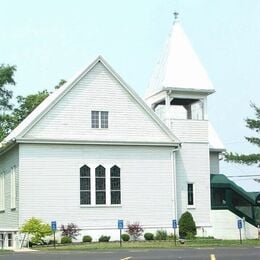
(51, 40)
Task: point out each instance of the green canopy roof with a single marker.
(221, 181)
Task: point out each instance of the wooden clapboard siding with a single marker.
(70, 118)
(190, 130)
(9, 217)
(192, 163)
(50, 173)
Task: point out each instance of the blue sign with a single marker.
(54, 225)
(239, 224)
(174, 223)
(120, 224)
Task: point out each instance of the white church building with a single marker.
(94, 152)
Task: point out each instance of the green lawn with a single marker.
(154, 244)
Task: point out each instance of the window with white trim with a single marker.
(2, 191)
(100, 175)
(115, 185)
(190, 194)
(85, 185)
(13, 188)
(99, 119)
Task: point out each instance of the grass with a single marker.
(154, 244)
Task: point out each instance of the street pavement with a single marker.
(145, 254)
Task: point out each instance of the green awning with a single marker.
(221, 181)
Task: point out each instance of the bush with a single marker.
(66, 240)
(171, 236)
(87, 239)
(187, 226)
(135, 230)
(148, 236)
(71, 230)
(161, 235)
(51, 242)
(125, 237)
(37, 229)
(104, 239)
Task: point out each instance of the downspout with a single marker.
(174, 181)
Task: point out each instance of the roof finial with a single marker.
(176, 14)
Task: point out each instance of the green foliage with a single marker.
(135, 230)
(187, 226)
(125, 237)
(36, 229)
(66, 240)
(87, 239)
(25, 105)
(148, 236)
(254, 158)
(104, 239)
(161, 235)
(171, 236)
(6, 79)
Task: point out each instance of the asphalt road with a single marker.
(146, 254)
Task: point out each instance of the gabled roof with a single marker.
(179, 68)
(51, 100)
(215, 144)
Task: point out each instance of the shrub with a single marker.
(171, 236)
(125, 237)
(51, 242)
(148, 236)
(87, 239)
(37, 229)
(66, 240)
(187, 226)
(104, 239)
(134, 230)
(161, 235)
(71, 230)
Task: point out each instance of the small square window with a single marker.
(99, 119)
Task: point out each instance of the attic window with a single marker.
(99, 119)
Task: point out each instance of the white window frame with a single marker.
(193, 194)
(93, 204)
(2, 191)
(13, 187)
(101, 121)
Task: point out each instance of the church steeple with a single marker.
(179, 68)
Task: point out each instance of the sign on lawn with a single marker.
(239, 224)
(174, 223)
(54, 225)
(120, 224)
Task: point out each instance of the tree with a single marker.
(37, 229)
(71, 230)
(135, 230)
(187, 226)
(25, 105)
(6, 78)
(254, 158)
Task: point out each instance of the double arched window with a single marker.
(99, 188)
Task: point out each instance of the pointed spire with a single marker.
(179, 67)
(176, 14)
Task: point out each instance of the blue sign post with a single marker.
(120, 226)
(239, 226)
(54, 228)
(174, 226)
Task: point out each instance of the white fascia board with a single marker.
(91, 142)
